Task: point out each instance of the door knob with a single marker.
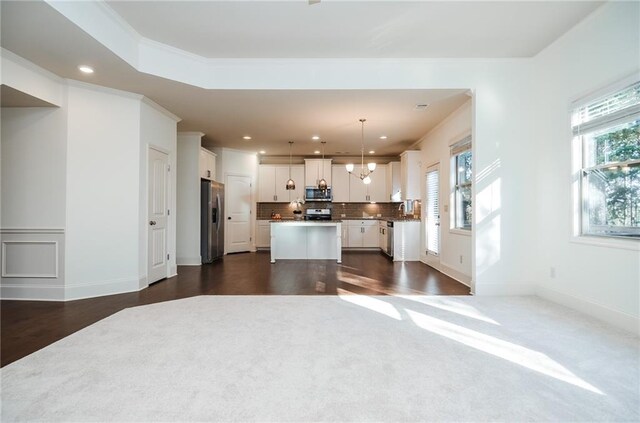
(153, 222)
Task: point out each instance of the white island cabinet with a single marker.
(306, 240)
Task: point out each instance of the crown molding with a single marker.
(104, 90)
(159, 108)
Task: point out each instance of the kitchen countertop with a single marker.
(384, 219)
(320, 222)
(392, 219)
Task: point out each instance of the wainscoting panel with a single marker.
(32, 264)
(30, 259)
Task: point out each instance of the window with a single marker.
(461, 161)
(606, 132)
(433, 211)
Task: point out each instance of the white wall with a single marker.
(435, 150)
(236, 162)
(103, 191)
(33, 167)
(158, 129)
(33, 185)
(603, 281)
(188, 207)
(74, 185)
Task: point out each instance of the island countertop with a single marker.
(307, 222)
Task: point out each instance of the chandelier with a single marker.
(364, 172)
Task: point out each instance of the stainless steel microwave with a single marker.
(316, 194)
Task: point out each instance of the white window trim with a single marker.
(575, 179)
(467, 141)
(458, 231)
(608, 242)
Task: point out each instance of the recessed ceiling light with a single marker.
(315, 138)
(263, 152)
(246, 137)
(85, 69)
(383, 137)
(316, 152)
(372, 152)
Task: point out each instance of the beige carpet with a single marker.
(323, 358)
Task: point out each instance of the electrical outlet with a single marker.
(552, 272)
(343, 215)
(446, 208)
(460, 258)
(378, 215)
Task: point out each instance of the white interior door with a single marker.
(433, 211)
(157, 215)
(238, 199)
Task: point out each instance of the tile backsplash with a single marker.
(349, 210)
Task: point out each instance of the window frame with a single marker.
(458, 148)
(579, 170)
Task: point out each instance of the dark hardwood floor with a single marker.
(27, 326)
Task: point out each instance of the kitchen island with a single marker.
(306, 240)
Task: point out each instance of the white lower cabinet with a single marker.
(382, 234)
(345, 234)
(362, 234)
(406, 241)
(263, 237)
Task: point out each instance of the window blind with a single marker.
(433, 212)
(462, 145)
(606, 110)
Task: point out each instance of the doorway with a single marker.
(238, 197)
(157, 218)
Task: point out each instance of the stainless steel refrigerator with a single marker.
(211, 220)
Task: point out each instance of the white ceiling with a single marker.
(40, 34)
(354, 29)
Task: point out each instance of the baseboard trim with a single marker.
(25, 292)
(452, 273)
(504, 289)
(101, 289)
(188, 261)
(616, 318)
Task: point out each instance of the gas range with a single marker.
(317, 214)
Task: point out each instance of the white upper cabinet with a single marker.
(410, 175)
(340, 187)
(357, 190)
(297, 174)
(266, 184)
(281, 178)
(272, 182)
(207, 164)
(377, 189)
(314, 170)
(393, 182)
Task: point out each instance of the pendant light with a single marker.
(364, 173)
(290, 184)
(323, 183)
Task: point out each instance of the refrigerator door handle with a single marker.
(217, 208)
